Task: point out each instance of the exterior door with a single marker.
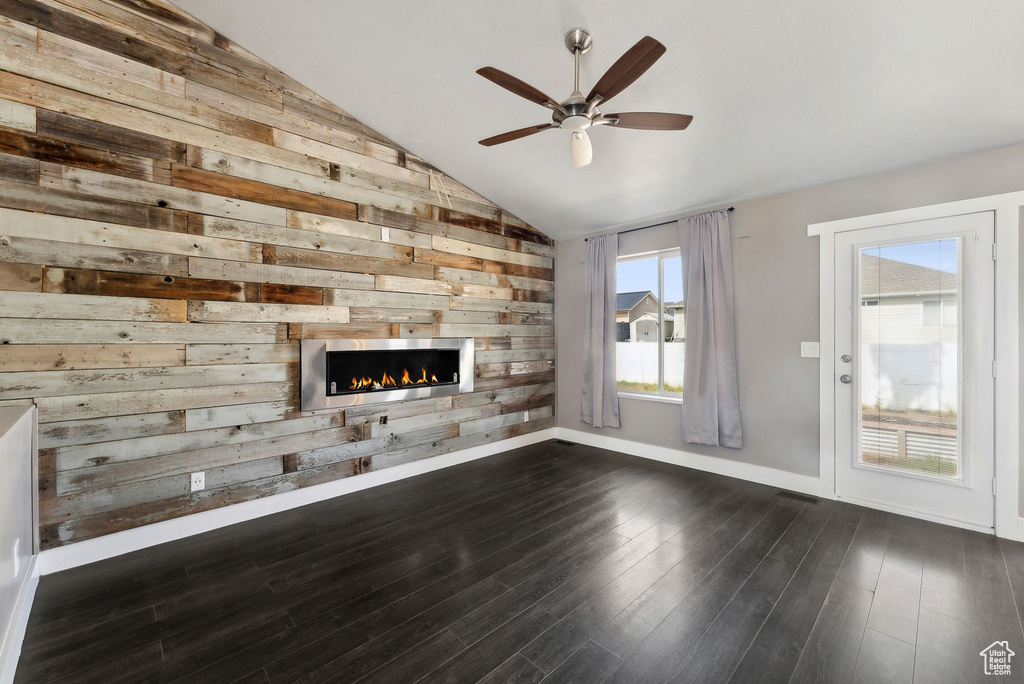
(913, 368)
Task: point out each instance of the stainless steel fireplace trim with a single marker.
(313, 371)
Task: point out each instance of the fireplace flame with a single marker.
(364, 383)
(369, 383)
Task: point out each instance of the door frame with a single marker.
(1007, 208)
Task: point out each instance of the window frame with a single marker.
(661, 394)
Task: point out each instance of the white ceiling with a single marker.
(784, 94)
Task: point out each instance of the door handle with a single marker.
(846, 379)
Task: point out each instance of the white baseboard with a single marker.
(10, 649)
(911, 513)
(118, 543)
(773, 477)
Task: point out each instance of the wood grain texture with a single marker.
(509, 569)
(175, 216)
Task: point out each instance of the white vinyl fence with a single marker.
(638, 362)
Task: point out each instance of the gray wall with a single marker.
(16, 487)
(776, 305)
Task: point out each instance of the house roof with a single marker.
(882, 277)
(624, 301)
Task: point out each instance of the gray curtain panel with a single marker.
(711, 402)
(600, 406)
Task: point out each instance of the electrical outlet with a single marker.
(809, 350)
(198, 481)
(17, 558)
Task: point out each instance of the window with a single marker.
(649, 324)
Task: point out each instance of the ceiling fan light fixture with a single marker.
(577, 113)
(580, 149)
(576, 122)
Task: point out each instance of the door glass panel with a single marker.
(909, 370)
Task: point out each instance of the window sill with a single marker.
(651, 397)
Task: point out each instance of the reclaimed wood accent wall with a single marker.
(175, 214)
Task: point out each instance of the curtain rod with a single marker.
(631, 230)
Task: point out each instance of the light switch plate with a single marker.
(809, 350)
(385, 234)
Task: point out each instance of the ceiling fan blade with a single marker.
(520, 88)
(630, 67)
(650, 121)
(514, 135)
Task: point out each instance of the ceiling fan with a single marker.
(577, 113)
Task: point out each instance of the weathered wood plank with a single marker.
(385, 300)
(48, 357)
(485, 304)
(307, 258)
(243, 414)
(144, 192)
(17, 115)
(117, 473)
(22, 277)
(87, 307)
(470, 330)
(260, 312)
(72, 432)
(110, 64)
(36, 384)
(114, 138)
(76, 231)
(54, 409)
(291, 294)
(32, 331)
(115, 284)
(76, 205)
(208, 354)
(255, 191)
(217, 269)
(18, 169)
(442, 244)
(17, 249)
(35, 146)
(143, 448)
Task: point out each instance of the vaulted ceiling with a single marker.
(784, 94)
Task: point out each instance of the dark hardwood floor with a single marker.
(554, 563)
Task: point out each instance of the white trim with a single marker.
(1007, 440)
(967, 206)
(111, 545)
(663, 398)
(826, 366)
(10, 649)
(1007, 382)
(805, 484)
(1019, 536)
(912, 513)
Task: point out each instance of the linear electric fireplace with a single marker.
(339, 373)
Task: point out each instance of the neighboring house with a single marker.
(677, 310)
(636, 317)
(908, 329)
